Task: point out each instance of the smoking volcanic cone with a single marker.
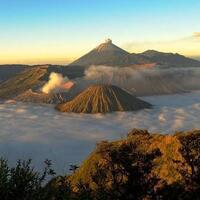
(103, 99)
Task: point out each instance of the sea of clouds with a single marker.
(40, 132)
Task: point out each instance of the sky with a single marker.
(59, 31)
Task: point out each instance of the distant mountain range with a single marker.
(17, 80)
(170, 59)
(109, 54)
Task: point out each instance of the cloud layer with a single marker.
(40, 132)
(141, 82)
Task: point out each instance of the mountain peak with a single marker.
(108, 41)
(108, 46)
(110, 54)
(103, 99)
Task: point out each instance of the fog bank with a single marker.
(40, 132)
(141, 82)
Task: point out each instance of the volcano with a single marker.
(39, 97)
(109, 54)
(103, 99)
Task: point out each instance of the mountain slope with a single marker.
(165, 166)
(109, 54)
(38, 97)
(103, 99)
(9, 71)
(170, 59)
(29, 78)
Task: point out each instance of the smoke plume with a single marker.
(56, 83)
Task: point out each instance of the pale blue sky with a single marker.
(56, 31)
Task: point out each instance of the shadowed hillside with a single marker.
(9, 71)
(23, 81)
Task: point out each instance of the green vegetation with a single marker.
(175, 161)
(142, 166)
(22, 182)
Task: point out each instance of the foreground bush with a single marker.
(144, 166)
(140, 167)
(22, 182)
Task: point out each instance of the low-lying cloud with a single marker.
(40, 132)
(141, 82)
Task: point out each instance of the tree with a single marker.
(124, 171)
(73, 168)
(22, 182)
(190, 167)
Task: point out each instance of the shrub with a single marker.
(23, 182)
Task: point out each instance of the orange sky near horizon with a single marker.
(61, 54)
(58, 32)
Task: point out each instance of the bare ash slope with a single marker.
(103, 99)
